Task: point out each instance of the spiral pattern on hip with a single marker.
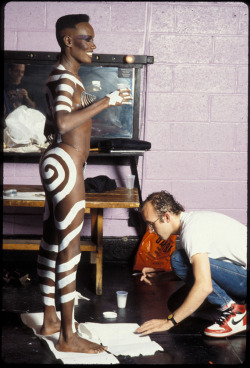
(54, 174)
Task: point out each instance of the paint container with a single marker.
(109, 314)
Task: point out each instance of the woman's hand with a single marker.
(125, 93)
(120, 97)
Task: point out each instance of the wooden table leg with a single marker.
(97, 238)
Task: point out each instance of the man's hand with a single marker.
(146, 273)
(24, 94)
(154, 325)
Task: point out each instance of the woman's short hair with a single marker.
(69, 21)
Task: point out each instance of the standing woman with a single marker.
(68, 124)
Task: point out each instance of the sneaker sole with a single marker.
(230, 333)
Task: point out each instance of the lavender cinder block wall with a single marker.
(194, 101)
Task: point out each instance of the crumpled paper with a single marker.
(24, 126)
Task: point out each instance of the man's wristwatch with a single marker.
(171, 318)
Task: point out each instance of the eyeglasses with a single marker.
(151, 224)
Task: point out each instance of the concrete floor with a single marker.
(183, 344)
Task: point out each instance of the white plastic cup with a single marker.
(121, 298)
(130, 181)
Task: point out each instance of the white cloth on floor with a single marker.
(78, 297)
(120, 338)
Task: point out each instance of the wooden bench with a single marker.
(95, 204)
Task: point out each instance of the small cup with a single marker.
(130, 180)
(121, 298)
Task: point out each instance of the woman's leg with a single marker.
(64, 181)
(46, 269)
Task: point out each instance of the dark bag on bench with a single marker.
(123, 144)
(99, 184)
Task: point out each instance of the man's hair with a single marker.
(163, 202)
(69, 21)
(13, 65)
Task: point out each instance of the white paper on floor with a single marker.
(35, 320)
(118, 337)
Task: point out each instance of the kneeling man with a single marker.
(212, 260)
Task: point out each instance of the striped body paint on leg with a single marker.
(59, 175)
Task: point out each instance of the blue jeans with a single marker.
(228, 279)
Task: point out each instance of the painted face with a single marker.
(85, 38)
(83, 42)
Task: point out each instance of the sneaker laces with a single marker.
(226, 314)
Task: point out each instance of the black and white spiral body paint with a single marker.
(54, 174)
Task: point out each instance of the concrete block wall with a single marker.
(197, 105)
(194, 106)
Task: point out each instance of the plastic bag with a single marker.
(24, 126)
(155, 252)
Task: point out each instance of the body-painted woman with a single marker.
(69, 115)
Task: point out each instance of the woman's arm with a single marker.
(67, 121)
(64, 91)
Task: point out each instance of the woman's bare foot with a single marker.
(49, 328)
(77, 344)
(52, 327)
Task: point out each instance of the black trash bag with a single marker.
(99, 184)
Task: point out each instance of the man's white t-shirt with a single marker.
(218, 235)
